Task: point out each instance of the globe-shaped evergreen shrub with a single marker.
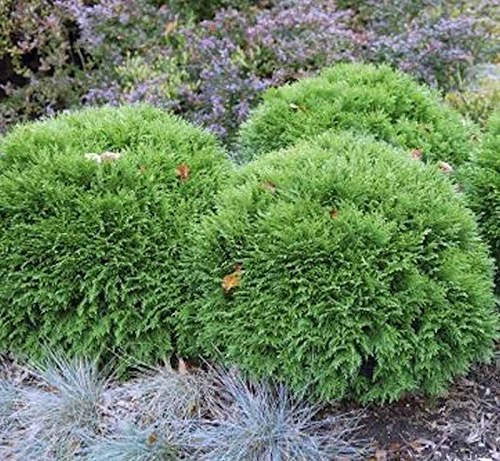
(376, 100)
(344, 265)
(96, 208)
(482, 182)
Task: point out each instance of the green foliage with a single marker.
(482, 179)
(96, 208)
(477, 103)
(208, 8)
(365, 98)
(354, 269)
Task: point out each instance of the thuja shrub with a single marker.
(344, 267)
(366, 98)
(95, 209)
(482, 182)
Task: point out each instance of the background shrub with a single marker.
(366, 98)
(481, 95)
(53, 51)
(482, 179)
(344, 265)
(40, 66)
(95, 209)
(210, 61)
(436, 49)
(214, 71)
(208, 8)
(435, 41)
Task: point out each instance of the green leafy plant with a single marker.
(96, 208)
(477, 103)
(482, 184)
(343, 265)
(208, 8)
(365, 98)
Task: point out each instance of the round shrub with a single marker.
(96, 208)
(482, 182)
(377, 100)
(343, 265)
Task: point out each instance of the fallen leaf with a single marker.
(380, 455)
(182, 172)
(334, 213)
(269, 186)
(417, 154)
(153, 438)
(170, 27)
(232, 280)
(445, 167)
(394, 447)
(419, 445)
(416, 445)
(182, 368)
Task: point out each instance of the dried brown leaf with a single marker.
(182, 171)
(232, 280)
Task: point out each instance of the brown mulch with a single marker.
(463, 425)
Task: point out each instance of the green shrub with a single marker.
(477, 103)
(375, 100)
(482, 182)
(342, 264)
(95, 209)
(209, 8)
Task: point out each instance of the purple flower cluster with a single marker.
(109, 29)
(305, 36)
(228, 61)
(436, 50)
(220, 89)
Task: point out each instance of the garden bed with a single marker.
(462, 425)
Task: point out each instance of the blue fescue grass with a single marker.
(69, 411)
(261, 422)
(9, 398)
(62, 410)
(163, 394)
(133, 443)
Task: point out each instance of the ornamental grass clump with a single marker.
(256, 421)
(9, 397)
(61, 412)
(482, 184)
(376, 100)
(96, 208)
(133, 443)
(344, 265)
